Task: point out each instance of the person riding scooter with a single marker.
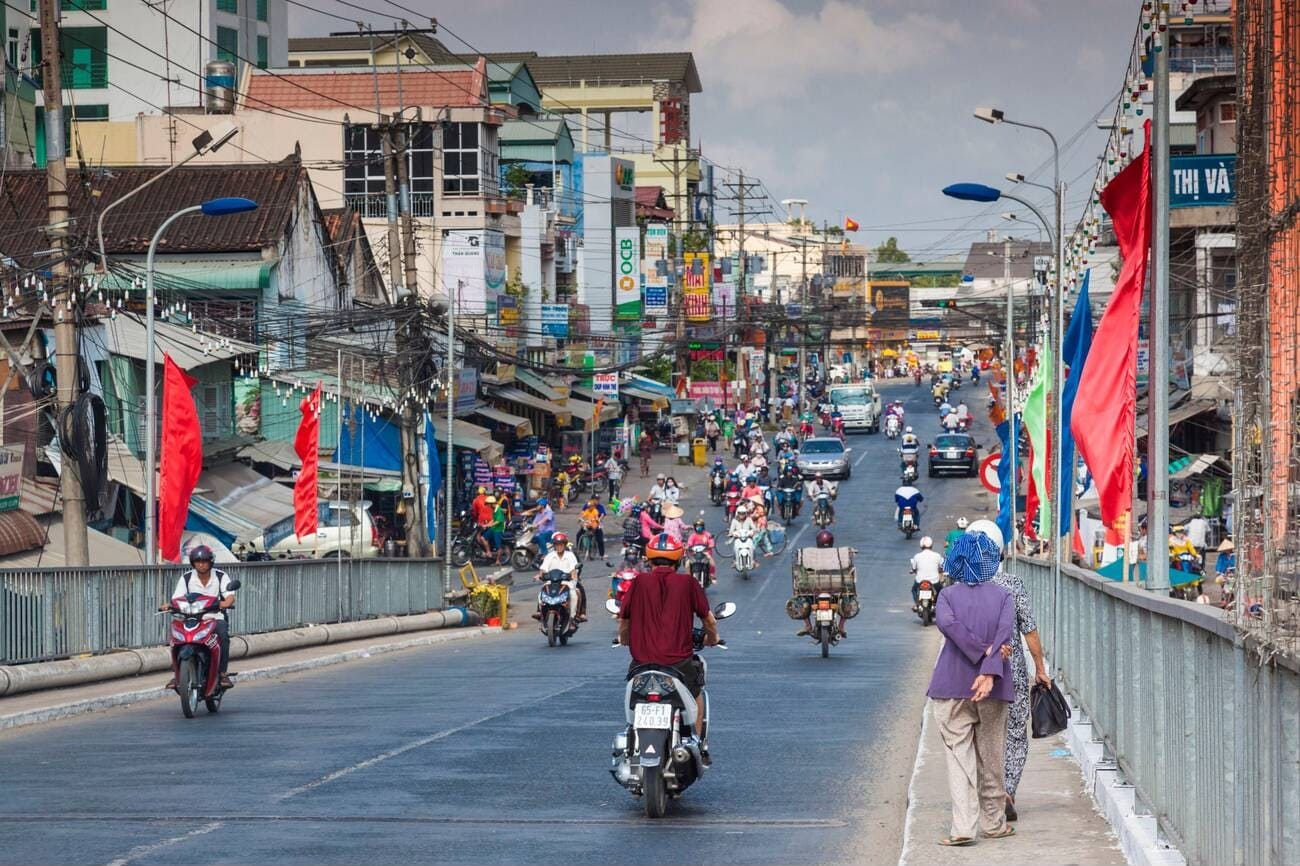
(905, 497)
(825, 539)
(700, 535)
(560, 558)
(926, 565)
(203, 579)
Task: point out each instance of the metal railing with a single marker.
(1203, 726)
(374, 205)
(54, 613)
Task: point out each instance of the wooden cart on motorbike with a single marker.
(824, 585)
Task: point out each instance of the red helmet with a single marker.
(664, 546)
(825, 538)
(559, 537)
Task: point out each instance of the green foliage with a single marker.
(695, 242)
(517, 178)
(660, 369)
(888, 252)
(708, 371)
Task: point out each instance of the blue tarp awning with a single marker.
(378, 441)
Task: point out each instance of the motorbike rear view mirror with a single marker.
(234, 585)
(611, 605)
(724, 610)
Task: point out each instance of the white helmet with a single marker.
(909, 428)
(927, 542)
(989, 528)
(961, 523)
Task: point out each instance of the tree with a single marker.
(517, 178)
(888, 252)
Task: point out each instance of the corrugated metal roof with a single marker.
(125, 336)
(248, 493)
(104, 549)
(354, 88)
(546, 130)
(226, 274)
(985, 259)
(615, 69)
(128, 229)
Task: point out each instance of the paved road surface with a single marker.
(496, 750)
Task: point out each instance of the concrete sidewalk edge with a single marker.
(909, 821)
(74, 708)
(1115, 800)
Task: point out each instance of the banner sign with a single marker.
(507, 311)
(555, 320)
(466, 390)
(11, 477)
(1202, 181)
(605, 384)
(473, 267)
(656, 269)
(627, 273)
(696, 286)
(893, 302)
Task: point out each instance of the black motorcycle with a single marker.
(927, 596)
(553, 605)
(657, 756)
(699, 564)
(717, 487)
(465, 547)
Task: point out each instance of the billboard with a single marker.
(473, 267)
(507, 311)
(1201, 181)
(605, 384)
(893, 302)
(466, 390)
(656, 269)
(555, 320)
(627, 273)
(697, 290)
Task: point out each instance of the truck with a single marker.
(859, 405)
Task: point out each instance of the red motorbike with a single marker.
(733, 502)
(837, 428)
(805, 429)
(196, 650)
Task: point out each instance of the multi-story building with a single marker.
(17, 94)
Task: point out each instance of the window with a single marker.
(215, 410)
(74, 5)
(85, 56)
(228, 44)
(460, 159)
(363, 174)
(1227, 112)
(328, 514)
(262, 49)
(11, 48)
(261, 10)
(231, 6)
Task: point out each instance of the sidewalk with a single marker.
(1058, 823)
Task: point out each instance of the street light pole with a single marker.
(215, 207)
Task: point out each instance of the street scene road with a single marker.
(496, 750)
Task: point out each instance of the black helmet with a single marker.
(202, 553)
(699, 524)
(825, 538)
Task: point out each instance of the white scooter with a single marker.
(892, 426)
(743, 553)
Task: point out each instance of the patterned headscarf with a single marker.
(973, 559)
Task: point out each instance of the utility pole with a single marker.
(67, 352)
(803, 302)
(1009, 368)
(1158, 331)
(390, 195)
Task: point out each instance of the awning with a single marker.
(471, 436)
(248, 493)
(227, 525)
(541, 386)
(104, 549)
(125, 336)
(1190, 409)
(1196, 464)
(583, 410)
(278, 454)
(522, 426)
(659, 389)
(252, 276)
(123, 466)
(514, 395)
(658, 401)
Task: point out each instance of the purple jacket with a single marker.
(971, 619)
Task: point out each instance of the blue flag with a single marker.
(435, 478)
(1004, 477)
(1078, 340)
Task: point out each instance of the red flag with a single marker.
(850, 224)
(1077, 544)
(182, 458)
(307, 446)
(1104, 409)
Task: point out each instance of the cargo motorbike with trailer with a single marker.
(824, 595)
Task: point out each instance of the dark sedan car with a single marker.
(954, 452)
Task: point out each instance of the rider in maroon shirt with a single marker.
(658, 615)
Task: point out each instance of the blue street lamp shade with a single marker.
(972, 192)
(227, 206)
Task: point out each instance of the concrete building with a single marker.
(17, 94)
(607, 185)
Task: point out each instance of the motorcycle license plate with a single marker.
(825, 615)
(925, 595)
(653, 716)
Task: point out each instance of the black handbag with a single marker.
(1048, 712)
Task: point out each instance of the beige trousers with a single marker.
(975, 740)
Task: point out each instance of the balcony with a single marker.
(1201, 60)
(374, 205)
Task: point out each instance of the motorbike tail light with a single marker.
(823, 605)
(653, 697)
(374, 534)
(925, 584)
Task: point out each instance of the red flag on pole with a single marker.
(1104, 409)
(181, 460)
(850, 224)
(307, 446)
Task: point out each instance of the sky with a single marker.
(863, 107)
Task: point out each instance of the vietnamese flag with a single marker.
(1105, 406)
(307, 446)
(181, 458)
(850, 224)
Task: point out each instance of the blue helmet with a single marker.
(542, 503)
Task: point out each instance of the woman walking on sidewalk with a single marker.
(971, 689)
(1026, 626)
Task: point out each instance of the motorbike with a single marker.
(1185, 573)
(717, 487)
(553, 605)
(916, 379)
(787, 503)
(657, 756)
(837, 428)
(963, 424)
(892, 427)
(907, 524)
(700, 564)
(909, 472)
(805, 429)
(743, 554)
(740, 444)
(769, 496)
(621, 581)
(196, 651)
(938, 400)
(927, 596)
(733, 502)
(525, 554)
(822, 511)
(465, 548)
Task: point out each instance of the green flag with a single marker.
(1035, 419)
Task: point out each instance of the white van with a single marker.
(342, 529)
(859, 405)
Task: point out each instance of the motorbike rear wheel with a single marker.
(656, 795)
(927, 615)
(460, 554)
(600, 485)
(188, 687)
(826, 641)
(521, 559)
(552, 628)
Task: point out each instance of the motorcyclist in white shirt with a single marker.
(562, 559)
(202, 579)
(926, 565)
(821, 487)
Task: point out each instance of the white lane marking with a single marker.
(423, 741)
(911, 785)
(860, 457)
(145, 850)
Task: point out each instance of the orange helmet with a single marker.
(664, 546)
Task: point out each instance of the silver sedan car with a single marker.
(826, 455)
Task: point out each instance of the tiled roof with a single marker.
(650, 196)
(128, 229)
(354, 88)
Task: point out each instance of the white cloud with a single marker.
(761, 50)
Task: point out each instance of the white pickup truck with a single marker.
(859, 405)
